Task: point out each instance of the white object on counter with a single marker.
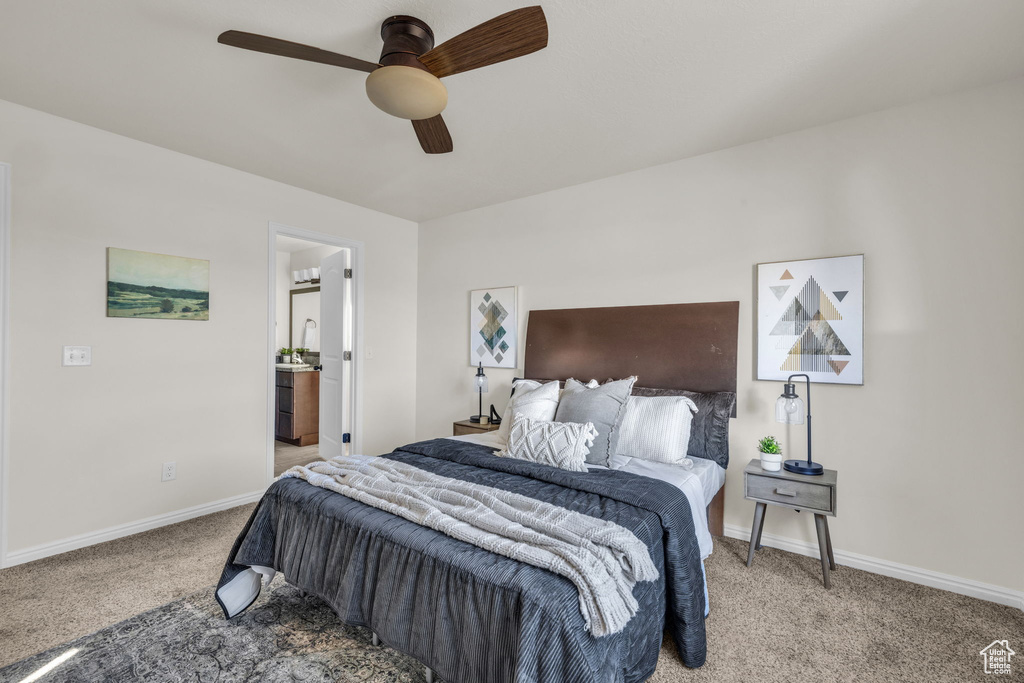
(293, 367)
(771, 462)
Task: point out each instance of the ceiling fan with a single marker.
(406, 81)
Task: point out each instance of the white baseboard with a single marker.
(924, 577)
(109, 534)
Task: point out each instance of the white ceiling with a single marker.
(621, 85)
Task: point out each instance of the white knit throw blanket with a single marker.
(603, 559)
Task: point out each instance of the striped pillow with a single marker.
(656, 429)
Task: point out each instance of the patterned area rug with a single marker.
(285, 636)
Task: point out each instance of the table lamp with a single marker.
(789, 410)
(481, 385)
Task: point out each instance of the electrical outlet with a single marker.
(168, 473)
(77, 355)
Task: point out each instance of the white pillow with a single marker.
(656, 428)
(533, 399)
(558, 444)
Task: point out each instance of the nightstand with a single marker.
(463, 427)
(815, 494)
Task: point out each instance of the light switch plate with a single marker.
(77, 355)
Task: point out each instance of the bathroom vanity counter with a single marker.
(292, 367)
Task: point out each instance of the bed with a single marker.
(471, 615)
(702, 483)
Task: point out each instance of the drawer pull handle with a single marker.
(783, 492)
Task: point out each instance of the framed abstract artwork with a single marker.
(493, 327)
(145, 285)
(810, 319)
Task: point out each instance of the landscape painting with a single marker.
(145, 285)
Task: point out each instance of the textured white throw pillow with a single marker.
(532, 399)
(558, 444)
(656, 428)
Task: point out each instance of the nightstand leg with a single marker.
(755, 531)
(822, 527)
(760, 527)
(828, 545)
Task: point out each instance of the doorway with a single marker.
(315, 325)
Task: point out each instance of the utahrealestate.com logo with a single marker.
(997, 657)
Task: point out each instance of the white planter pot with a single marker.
(771, 462)
(286, 359)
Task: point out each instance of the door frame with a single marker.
(5, 345)
(356, 404)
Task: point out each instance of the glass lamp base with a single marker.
(803, 467)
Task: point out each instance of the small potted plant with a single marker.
(771, 454)
(286, 355)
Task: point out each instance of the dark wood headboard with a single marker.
(672, 346)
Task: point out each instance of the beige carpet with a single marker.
(772, 622)
(50, 601)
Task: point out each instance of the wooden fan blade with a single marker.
(433, 135)
(284, 48)
(508, 36)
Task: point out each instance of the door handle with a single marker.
(783, 492)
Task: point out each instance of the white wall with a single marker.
(928, 452)
(86, 444)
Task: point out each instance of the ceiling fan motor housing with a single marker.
(403, 87)
(405, 39)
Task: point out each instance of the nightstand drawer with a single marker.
(795, 494)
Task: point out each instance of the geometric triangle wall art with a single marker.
(816, 327)
(493, 327)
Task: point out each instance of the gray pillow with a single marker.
(709, 431)
(603, 406)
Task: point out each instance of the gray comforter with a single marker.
(470, 615)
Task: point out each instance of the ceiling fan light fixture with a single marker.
(406, 92)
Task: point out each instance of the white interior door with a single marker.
(335, 334)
